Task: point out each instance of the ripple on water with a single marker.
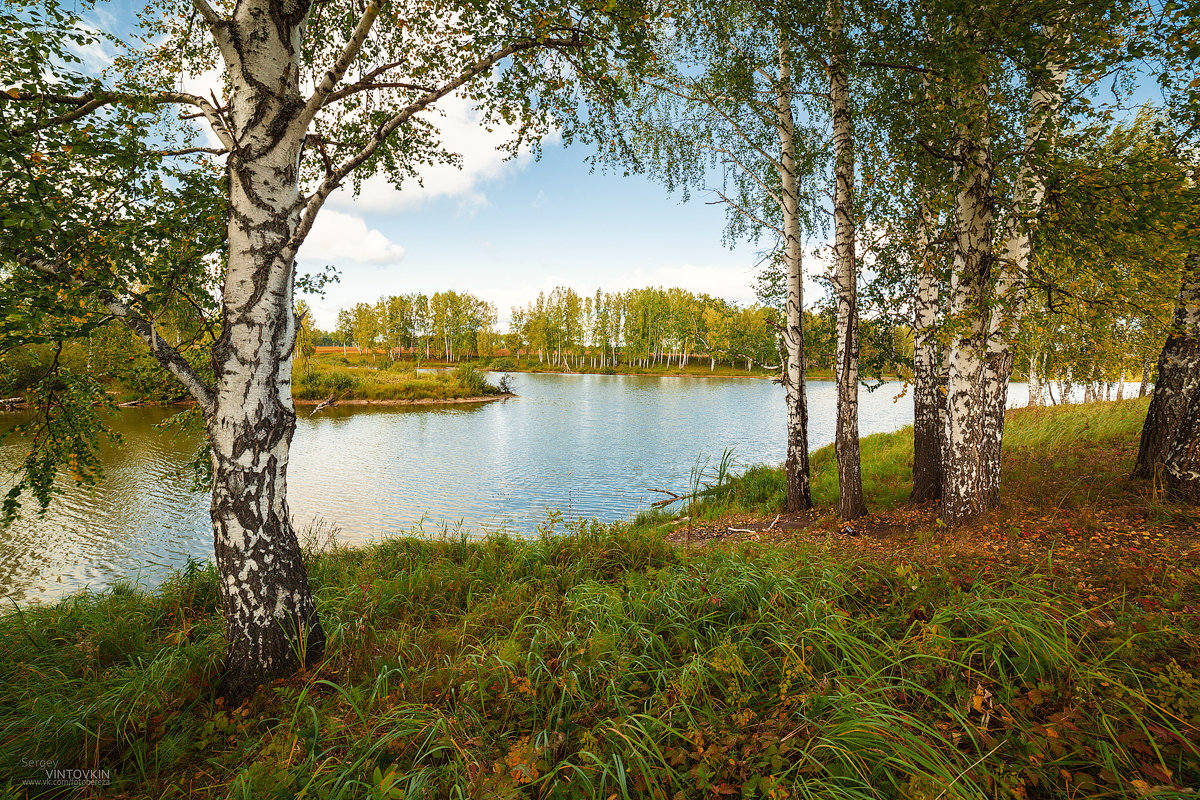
(586, 445)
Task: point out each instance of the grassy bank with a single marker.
(320, 378)
(604, 662)
(1068, 463)
(696, 367)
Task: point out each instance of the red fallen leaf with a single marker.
(724, 788)
(1152, 771)
(1167, 735)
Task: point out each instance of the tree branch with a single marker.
(216, 151)
(218, 27)
(338, 70)
(91, 101)
(729, 156)
(168, 356)
(894, 65)
(335, 178)
(936, 153)
(62, 119)
(746, 213)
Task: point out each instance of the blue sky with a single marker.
(504, 229)
(507, 230)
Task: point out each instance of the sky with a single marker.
(506, 230)
(503, 229)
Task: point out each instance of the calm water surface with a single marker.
(585, 445)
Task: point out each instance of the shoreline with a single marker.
(425, 401)
(356, 401)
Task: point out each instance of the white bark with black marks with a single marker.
(1036, 392)
(270, 614)
(1016, 257)
(963, 490)
(851, 503)
(1170, 449)
(799, 490)
(928, 396)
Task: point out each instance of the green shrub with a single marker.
(502, 364)
(472, 380)
(22, 367)
(340, 380)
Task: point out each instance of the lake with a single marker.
(584, 445)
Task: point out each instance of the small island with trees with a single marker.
(995, 602)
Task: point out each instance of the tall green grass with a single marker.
(1042, 448)
(601, 662)
(597, 661)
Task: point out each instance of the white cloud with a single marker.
(94, 52)
(337, 238)
(462, 132)
(208, 84)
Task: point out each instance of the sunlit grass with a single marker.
(322, 378)
(1080, 454)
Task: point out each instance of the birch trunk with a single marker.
(1035, 381)
(1145, 385)
(851, 504)
(1168, 446)
(271, 619)
(964, 491)
(799, 491)
(1181, 469)
(928, 405)
(1005, 318)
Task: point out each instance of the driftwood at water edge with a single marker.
(326, 403)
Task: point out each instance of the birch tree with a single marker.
(851, 503)
(725, 116)
(1168, 451)
(1170, 445)
(315, 96)
(990, 91)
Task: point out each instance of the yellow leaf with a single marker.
(1142, 787)
(14, 94)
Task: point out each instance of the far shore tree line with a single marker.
(645, 328)
(657, 327)
(985, 176)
